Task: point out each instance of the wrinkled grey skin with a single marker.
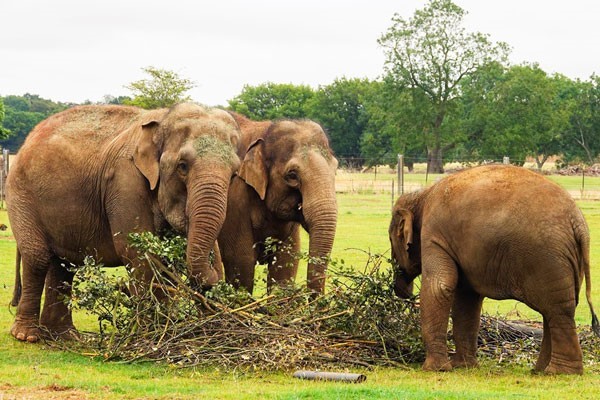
(500, 232)
(286, 180)
(87, 177)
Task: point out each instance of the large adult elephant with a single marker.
(87, 177)
(286, 180)
(494, 231)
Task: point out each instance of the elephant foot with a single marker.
(437, 364)
(555, 369)
(463, 362)
(26, 331)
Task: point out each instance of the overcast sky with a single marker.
(76, 50)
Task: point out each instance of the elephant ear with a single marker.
(147, 154)
(253, 170)
(404, 227)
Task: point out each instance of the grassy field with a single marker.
(34, 371)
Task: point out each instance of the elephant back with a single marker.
(84, 124)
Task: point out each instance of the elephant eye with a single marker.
(182, 167)
(291, 176)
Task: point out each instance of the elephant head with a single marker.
(188, 158)
(292, 169)
(404, 233)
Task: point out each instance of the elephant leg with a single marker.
(56, 315)
(239, 258)
(438, 285)
(545, 350)
(565, 354)
(283, 265)
(139, 269)
(466, 313)
(27, 320)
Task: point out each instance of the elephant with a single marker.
(495, 231)
(286, 179)
(87, 177)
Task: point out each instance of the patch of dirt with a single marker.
(50, 392)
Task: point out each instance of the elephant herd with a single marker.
(87, 177)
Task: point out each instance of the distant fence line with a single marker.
(581, 186)
(351, 178)
(359, 163)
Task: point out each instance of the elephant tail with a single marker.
(17, 291)
(588, 295)
(584, 247)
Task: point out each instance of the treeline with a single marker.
(517, 112)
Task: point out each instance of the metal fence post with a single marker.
(400, 174)
(392, 194)
(3, 174)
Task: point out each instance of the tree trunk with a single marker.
(435, 163)
(541, 161)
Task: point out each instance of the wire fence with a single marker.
(353, 177)
(581, 183)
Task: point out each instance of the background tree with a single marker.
(396, 124)
(431, 53)
(163, 89)
(4, 133)
(110, 99)
(581, 137)
(515, 112)
(477, 112)
(272, 101)
(22, 114)
(341, 109)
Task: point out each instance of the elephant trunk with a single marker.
(207, 202)
(320, 213)
(403, 286)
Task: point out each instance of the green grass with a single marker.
(25, 370)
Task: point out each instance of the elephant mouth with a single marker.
(179, 224)
(291, 209)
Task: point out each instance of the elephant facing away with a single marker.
(493, 231)
(286, 180)
(87, 177)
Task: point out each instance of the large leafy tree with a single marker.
(341, 108)
(162, 89)
(515, 112)
(272, 101)
(478, 112)
(431, 53)
(581, 137)
(395, 126)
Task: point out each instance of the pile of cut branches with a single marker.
(358, 322)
